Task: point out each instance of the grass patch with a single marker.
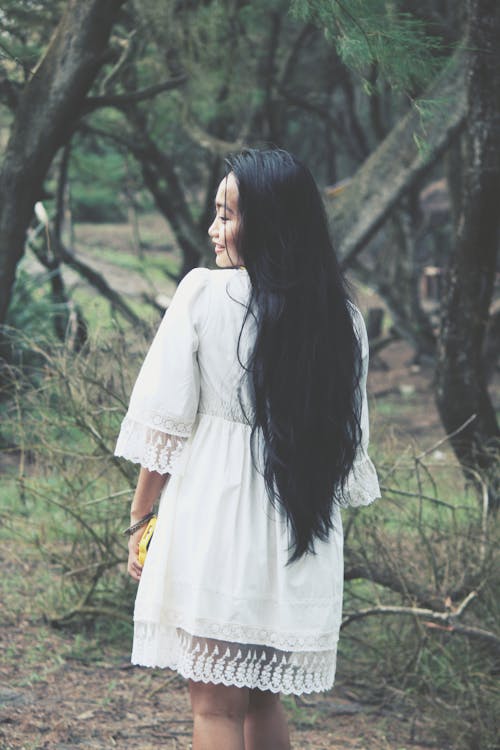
(145, 265)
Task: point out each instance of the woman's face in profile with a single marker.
(225, 227)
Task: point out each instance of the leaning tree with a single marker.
(45, 113)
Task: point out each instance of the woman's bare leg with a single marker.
(218, 714)
(265, 723)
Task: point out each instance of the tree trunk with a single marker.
(46, 113)
(399, 162)
(461, 384)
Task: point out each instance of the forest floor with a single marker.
(64, 689)
(60, 689)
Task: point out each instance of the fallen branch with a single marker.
(389, 579)
(95, 279)
(440, 620)
(477, 633)
(98, 281)
(443, 617)
(116, 614)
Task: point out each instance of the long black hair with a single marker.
(305, 365)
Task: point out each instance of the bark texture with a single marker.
(410, 149)
(47, 110)
(461, 381)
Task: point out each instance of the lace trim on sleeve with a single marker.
(362, 484)
(152, 449)
(159, 421)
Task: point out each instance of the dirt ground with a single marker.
(55, 696)
(60, 689)
(68, 688)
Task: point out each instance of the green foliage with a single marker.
(238, 59)
(376, 33)
(96, 203)
(427, 109)
(97, 200)
(223, 49)
(32, 312)
(32, 309)
(25, 29)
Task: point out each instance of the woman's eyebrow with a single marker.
(226, 207)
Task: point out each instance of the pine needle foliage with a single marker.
(378, 33)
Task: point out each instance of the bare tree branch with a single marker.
(121, 101)
(216, 146)
(447, 437)
(405, 493)
(129, 48)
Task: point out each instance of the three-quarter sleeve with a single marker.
(362, 486)
(164, 400)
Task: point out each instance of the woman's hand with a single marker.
(134, 567)
(149, 486)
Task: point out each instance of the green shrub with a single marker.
(97, 175)
(97, 204)
(32, 309)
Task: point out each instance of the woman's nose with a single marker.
(212, 229)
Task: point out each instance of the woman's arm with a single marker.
(149, 486)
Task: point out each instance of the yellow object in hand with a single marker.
(146, 539)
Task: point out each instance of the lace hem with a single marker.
(153, 449)
(238, 664)
(362, 484)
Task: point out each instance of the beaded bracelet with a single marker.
(138, 524)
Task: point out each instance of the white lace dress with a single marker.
(216, 600)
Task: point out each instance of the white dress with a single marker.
(216, 600)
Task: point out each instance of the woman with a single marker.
(249, 417)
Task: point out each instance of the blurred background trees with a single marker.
(121, 113)
(121, 105)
